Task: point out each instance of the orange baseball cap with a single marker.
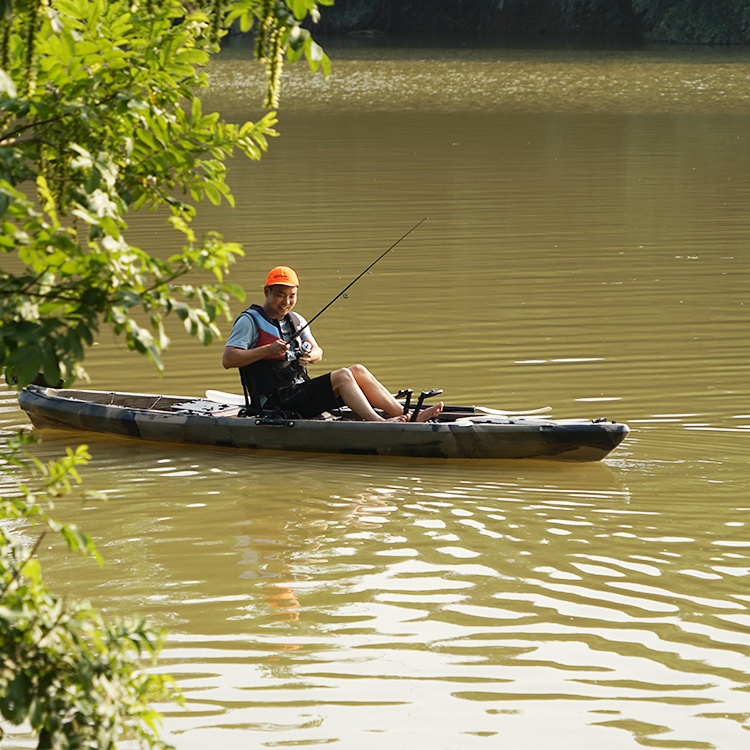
(282, 275)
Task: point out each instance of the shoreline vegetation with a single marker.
(720, 22)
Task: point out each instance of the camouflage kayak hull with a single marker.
(459, 433)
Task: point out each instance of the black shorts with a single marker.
(308, 399)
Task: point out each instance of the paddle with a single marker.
(503, 413)
(222, 397)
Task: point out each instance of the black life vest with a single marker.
(268, 377)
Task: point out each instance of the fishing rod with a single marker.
(346, 288)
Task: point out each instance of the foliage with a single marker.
(718, 22)
(680, 21)
(99, 117)
(76, 681)
(517, 16)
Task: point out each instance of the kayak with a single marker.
(458, 432)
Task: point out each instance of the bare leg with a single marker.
(347, 386)
(375, 392)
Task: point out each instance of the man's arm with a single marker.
(235, 357)
(240, 349)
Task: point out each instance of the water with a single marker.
(586, 248)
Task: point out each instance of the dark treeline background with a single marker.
(675, 21)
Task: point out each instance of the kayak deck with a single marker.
(458, 432)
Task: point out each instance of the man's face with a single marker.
(280, 299)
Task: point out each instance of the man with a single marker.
(260, 345)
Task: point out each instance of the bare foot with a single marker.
(430, 412)
(399, 418)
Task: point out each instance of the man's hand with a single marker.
(277, 348)
(311, 357)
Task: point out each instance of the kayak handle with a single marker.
(405, 392)
(420, 401)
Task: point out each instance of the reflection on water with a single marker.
(312, 598)
(504, 80)
(595, 262)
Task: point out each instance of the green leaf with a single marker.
(299, 8)
(7, 87)
(315, 53)
(50, 364)
(192, 57)
(14, 704)
(78, 541)
(213, 193)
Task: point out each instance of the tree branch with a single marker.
(17, 571)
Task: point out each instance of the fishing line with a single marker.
(350, 285)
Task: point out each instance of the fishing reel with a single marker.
(304, 348)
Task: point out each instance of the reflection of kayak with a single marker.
(459, 432)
